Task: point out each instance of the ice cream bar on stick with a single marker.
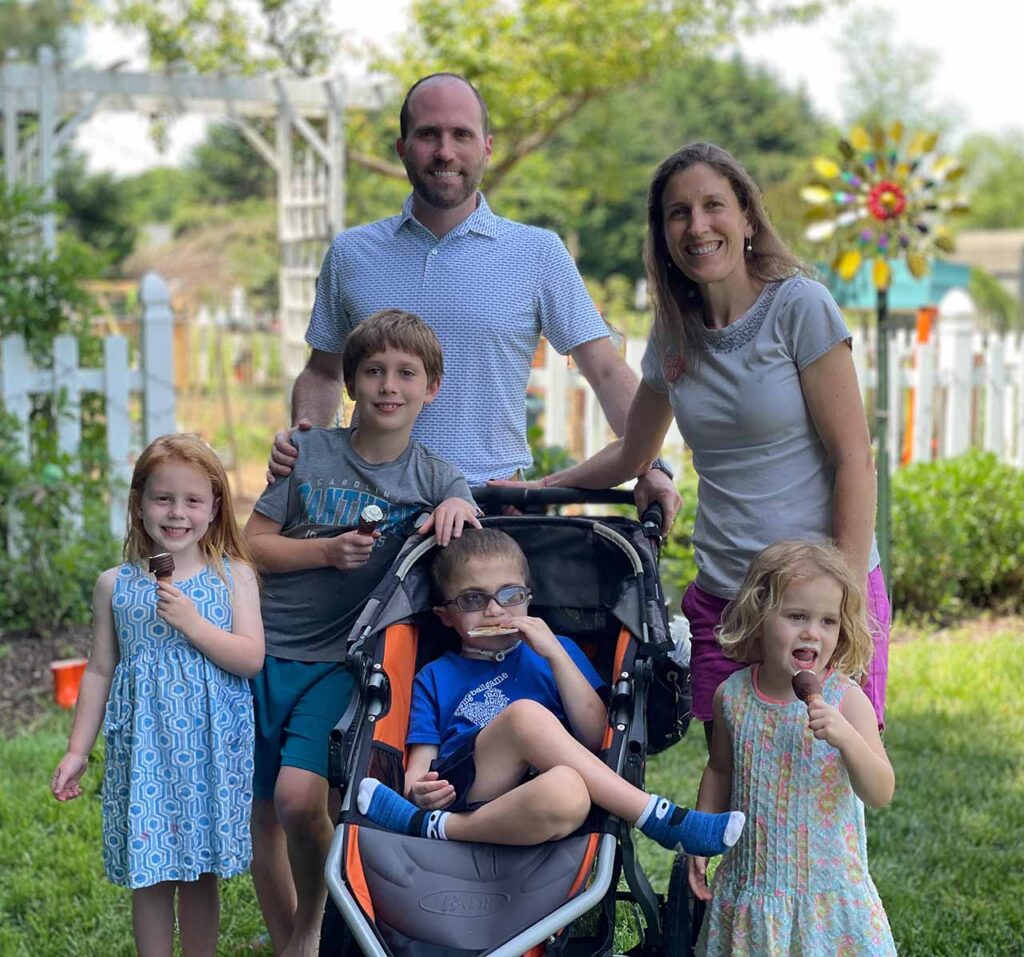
(369, 519)
(162, 566)
(807, 687)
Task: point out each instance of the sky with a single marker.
(977, 76)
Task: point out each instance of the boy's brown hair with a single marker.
(472, 545)
(394, 329)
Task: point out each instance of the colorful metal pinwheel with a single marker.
(887, 196)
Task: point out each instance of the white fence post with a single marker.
(116, 389)
(20, 380)
(157, 357)
(14, 393)
(899, 348)
(555, 388)
(924, 399)
(956, 322)
(69, 413)
(1016, 415)
(995, 387)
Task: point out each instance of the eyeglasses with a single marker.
(478, 600)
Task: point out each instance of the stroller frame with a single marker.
(640, 655)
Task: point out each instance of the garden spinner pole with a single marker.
(882, 518)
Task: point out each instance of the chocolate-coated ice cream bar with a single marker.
(369, 519)
(806, 686)
(162, 566)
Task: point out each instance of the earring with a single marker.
(749, 248)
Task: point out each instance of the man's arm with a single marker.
(316, 396)
(317, 391)
(612, 380)
(615, 386)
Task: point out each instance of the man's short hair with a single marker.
(472, 545)
(404, 113)
(395, 329)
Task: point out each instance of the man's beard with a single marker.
(426, 187)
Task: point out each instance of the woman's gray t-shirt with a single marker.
(764, 474)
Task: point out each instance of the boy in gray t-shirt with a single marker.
(319, 568)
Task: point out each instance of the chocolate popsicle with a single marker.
(162, 566)
(807, 687)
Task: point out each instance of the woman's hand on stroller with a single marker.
(430, 793)
(448, 520)
(655, 486)
(697, 868)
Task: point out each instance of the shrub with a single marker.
(48, 581)
(957, 540)
(677, 565)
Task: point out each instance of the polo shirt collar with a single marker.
(481, 220)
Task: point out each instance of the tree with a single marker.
(996, 169)
(26, 26)
(96, 209)
(591, 179)
(888, 79)
(223, 35)
(224, 168)
(540, 62)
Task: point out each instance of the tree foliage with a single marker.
(26, 26)
(591, 179)
(996, 169)
(234, 35)
(540, 62)
(41, 293)
(887, 78)
(225, 168)
(96, 209)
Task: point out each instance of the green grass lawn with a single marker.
(947, 854)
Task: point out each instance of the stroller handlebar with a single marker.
(521, 495)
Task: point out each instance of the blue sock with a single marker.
(392, 811)
(696, 832)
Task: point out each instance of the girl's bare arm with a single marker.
(92, 693)
(852, 729)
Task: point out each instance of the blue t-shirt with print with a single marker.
(454, 697)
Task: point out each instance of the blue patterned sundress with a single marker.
(177, 787)
(796, 884)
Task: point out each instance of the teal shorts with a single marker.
(296, 704)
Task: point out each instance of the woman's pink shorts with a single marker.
(709, 667)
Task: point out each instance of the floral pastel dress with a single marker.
(796, 884)
(177, 787)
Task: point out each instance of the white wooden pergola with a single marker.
(42, 104)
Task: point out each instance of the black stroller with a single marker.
(596, 581)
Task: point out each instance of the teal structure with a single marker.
(905, 292)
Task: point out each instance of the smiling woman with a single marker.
(753, 360)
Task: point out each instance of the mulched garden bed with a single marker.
(26, 686)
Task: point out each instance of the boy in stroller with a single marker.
(595, 579)
(515, 699)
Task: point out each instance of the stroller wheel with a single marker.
(683, 913)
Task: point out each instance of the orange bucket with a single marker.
(67, 676)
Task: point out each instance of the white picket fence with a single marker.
(152, 379)
(965, 386)
(961, 388)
